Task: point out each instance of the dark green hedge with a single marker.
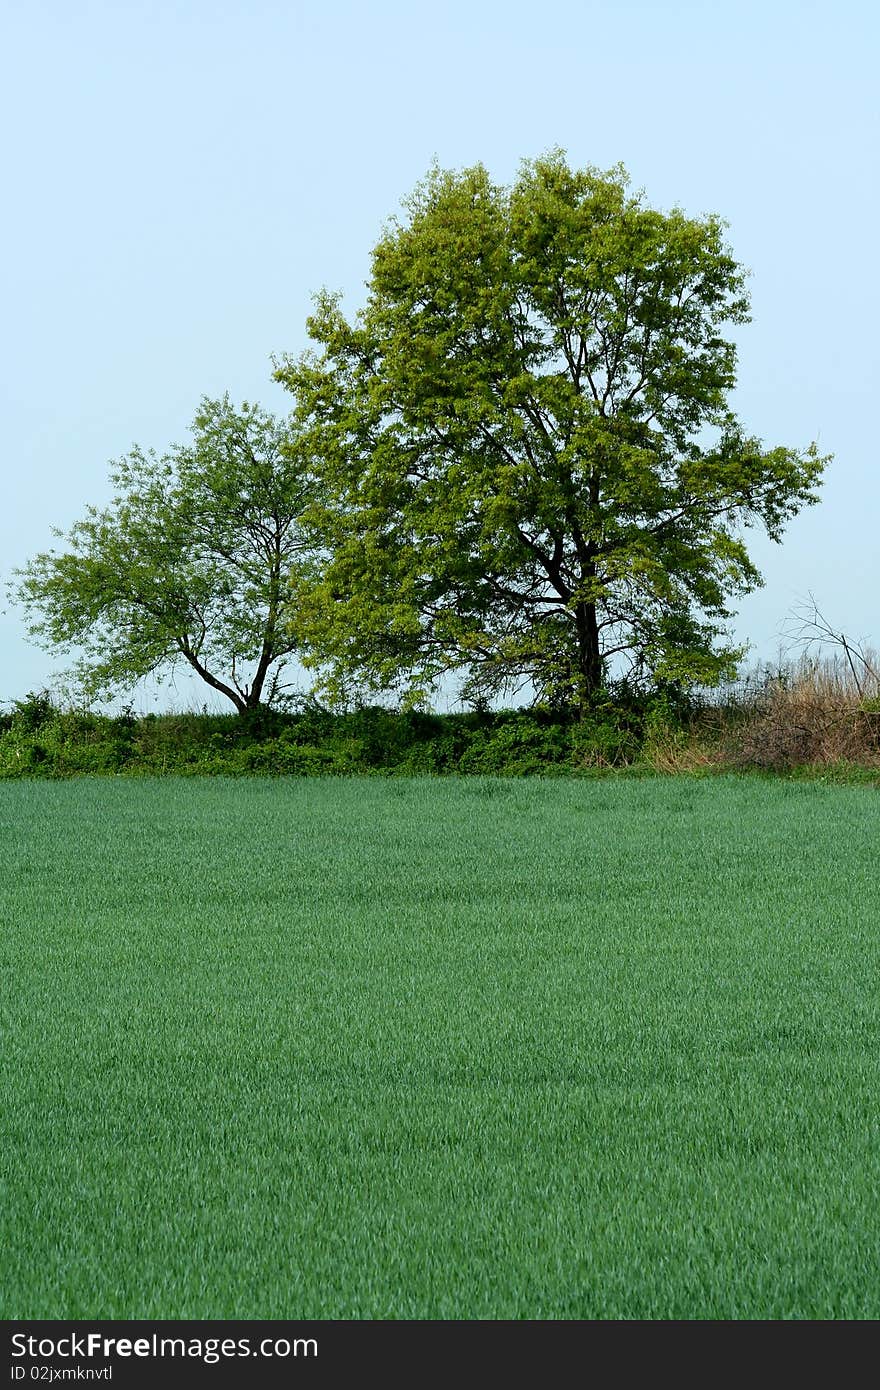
(38, 739)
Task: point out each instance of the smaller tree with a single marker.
(190, 563)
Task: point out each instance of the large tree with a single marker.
(529, 468)
(190, 563)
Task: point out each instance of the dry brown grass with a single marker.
(680, 751)
(818, 711)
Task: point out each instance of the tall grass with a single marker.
(817, 711)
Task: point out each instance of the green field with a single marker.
(439, 1048)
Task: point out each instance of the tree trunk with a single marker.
(590, 670)
(215, 684)
(267, 653)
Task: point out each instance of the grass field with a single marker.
(440, 1048)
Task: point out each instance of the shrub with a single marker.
(33, 712)
(517, 747)
(603, 739)
(814, 713)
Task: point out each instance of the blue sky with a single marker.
(180, 177)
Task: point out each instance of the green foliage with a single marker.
(31, 713)
(189, 563)
(655, 731)
(605, 738)
(517, 747)
(315, 741)
(529, 471)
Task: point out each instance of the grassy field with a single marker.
(439, 1048)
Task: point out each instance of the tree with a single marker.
(529, 469)
(189, 562)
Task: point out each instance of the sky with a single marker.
(180, 178)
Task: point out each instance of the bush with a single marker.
(603, 738)
(813, 714)
(33, 712)
(517, 747)
(782, 723)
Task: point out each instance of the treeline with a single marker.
(807, 720)
(515, 467)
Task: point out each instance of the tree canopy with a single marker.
(190, 563)
(528, 467)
